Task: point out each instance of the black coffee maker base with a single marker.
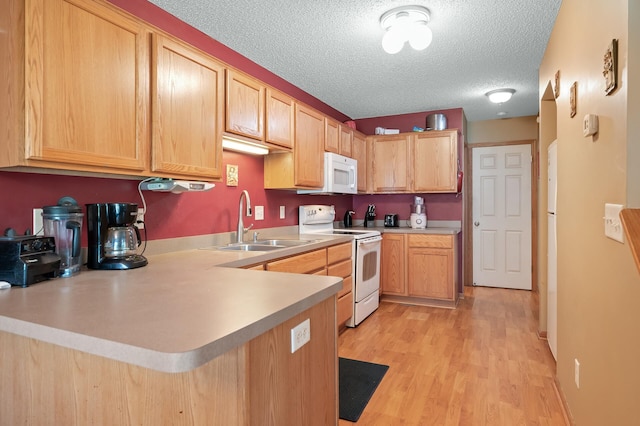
(128, 262)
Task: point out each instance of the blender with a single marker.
(418, 214)
(63, 222)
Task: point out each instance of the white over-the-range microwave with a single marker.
(340, 176)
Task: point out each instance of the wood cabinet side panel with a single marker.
(392, 268)
(300, 387)
(46, 384)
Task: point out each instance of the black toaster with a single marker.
(28, 259)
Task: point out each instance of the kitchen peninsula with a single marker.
(180, 341)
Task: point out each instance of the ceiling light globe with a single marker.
(392, 41)
(500, 96)
(420, 36)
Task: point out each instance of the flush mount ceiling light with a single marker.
(406, 23)
(499, 96)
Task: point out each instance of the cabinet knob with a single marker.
(476, 223)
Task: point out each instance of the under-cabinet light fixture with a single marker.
(232, 143)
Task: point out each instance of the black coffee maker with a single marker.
(113, 237)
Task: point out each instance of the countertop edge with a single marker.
(163, 361)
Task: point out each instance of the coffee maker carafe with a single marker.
(113, 237)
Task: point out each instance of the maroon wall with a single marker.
(168, 215)
(406, 122)
(169, 23)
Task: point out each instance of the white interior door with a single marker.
(501, 198)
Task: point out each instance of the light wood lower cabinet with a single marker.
(258, 383)
(420, 269)
(334, 261)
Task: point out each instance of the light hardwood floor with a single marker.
(480, 364)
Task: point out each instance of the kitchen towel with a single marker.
(358, 382)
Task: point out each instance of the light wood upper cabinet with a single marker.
(434, 165)
(309, 148)
(75, 87)
(346, 138)
(245, 102)
(280, 116)
(359, 153)
(389, 163)
(331, 135)
(188, 101)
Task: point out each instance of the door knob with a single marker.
(476, 223)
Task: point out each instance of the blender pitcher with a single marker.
(64, 223)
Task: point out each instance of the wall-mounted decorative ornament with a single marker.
(610, 71)
(232, 175)
(573, 98)
(556, 89)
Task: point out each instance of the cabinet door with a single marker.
(435, 161)
(392, 265)
(346, 140)
(430, 273)
(389, 163)
(331, 135)
(244, 105)
(359, 145)
(309, 148)
(87, 86)
(280, 116)
(187, 110)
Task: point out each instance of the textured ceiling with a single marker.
(331, 49)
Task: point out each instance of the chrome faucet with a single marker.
(241, 229)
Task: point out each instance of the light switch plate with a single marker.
(282, 212)
(259, 212)
(38, 228)
(612, 225)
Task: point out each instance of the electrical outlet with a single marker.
(259, 212)
(612, 225)
(576, 372)
(140, 218)
(300, 335)
(38, 227)
(282, 212)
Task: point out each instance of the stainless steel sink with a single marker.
(252, 247)
(285, 243)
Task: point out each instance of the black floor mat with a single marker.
(358, 382)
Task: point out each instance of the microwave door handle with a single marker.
(352, 173)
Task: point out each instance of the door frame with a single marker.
(468, 211)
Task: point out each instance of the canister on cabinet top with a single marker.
(436, 122)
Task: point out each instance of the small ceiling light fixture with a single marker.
(406, 23)
(500, 96)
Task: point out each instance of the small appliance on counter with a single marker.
(348, 220)
(370, 217)
(63, 222)
(27, 259)
(391, 221)
(113, 237)
(418, 214)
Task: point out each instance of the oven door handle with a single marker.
(373, 240)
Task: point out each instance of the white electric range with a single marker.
(318, 219)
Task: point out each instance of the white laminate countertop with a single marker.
(408, 230)
(177, 313)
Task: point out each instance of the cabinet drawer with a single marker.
(339, 252)
(259, 267)
(342, 269)
(345, 308)
(301, 264)
(346, 286)
(435, 241)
